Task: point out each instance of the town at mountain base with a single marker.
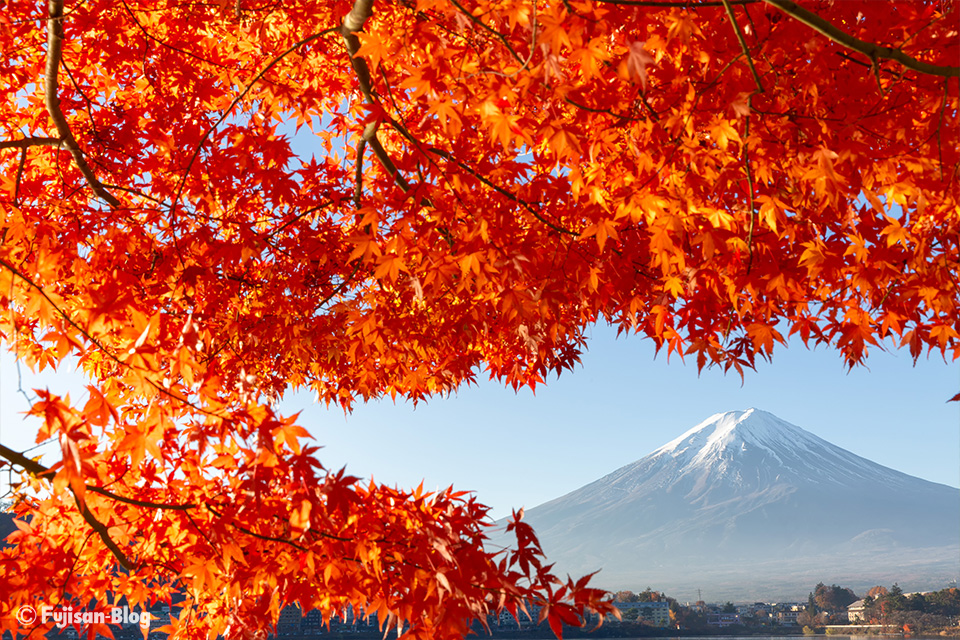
(747, 506)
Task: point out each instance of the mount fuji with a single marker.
(745, 506)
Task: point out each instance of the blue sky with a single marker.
(517, 449)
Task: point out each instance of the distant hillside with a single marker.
(745, 505)
(6, 524)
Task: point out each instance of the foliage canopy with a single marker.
(485, 178)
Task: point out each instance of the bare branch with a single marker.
(52, 101)
(869, 49)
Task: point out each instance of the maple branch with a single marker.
(489, 29)
(943, 107)
(743, 44)
(167, 45)
(267, 538)
(352, 24)
(104, 534)
(31, 466)
(63, 314)
(297, 217)
(358, 174)
(620, 116)
(523, 203)
(226, 112)
(871, 50)
(38, 470)
(33, 141)
(52, 101)
(340, 287)
(23, 162)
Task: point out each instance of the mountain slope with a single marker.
(749, 497)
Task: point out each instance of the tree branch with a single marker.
(523, 203)
(36, 469)
(63, 314)
(52, 101)
(34, 141)
(104, 534)
(743, 44)
(353, 23)
(943, 108)
(23, 162)
(494, 32)
(358, 178)
(869, 49)
(746, 164)
(234, 103)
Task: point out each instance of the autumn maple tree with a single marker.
(207, 205)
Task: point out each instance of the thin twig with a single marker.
(340, 287)
(685, 4)
(39, 470)
(649, 108)
(76, 85)
(621, 116)
(63, 314)
(297, 217)
(869, 49)
(477, 21)
(226, 112)
(743, 44)
(523, 203)
(943, 107)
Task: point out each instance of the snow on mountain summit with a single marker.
(734, 438)
(720, 430)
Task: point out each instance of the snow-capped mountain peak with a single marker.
(720, 430)
(747, 489)
(758, 439)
